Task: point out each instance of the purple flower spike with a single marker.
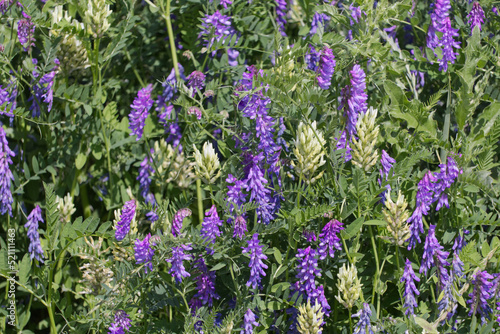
(409, 278)
(235, 195)
(8, 100)
(144, 177)
(307, 270)
(115, 329)
(326, 68)
(249, 322)
(178, 271)
(343, 144)
(177, 221)
(364, 323)
(26, 33)
(435, 256)
(123, 225)
(281, 10)
(144, 253)
(319, 19)
(196, 80)
(448, 43)
(216, 27)
(387, 163)
(210, 226)
(328, 239)
(140, 111)
(354, 98)
(169, 89)
(424, 201)
(482, 292)
(476, 16)
(205, 286)
(122, 320)
(256, 265)
(355, 13)
(232, 57)
(6, 176)
(35, 247)
(240, 227)
(312, 58)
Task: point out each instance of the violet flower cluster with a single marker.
(235, 195)
(281, 10)
(256, 185)
(144, 178)
(476, 16)
(343, 144)
(144, 252)
(312, 58)
(482, 292)
(26, 32)
(307, 271)
(170, 88)
(205, 286)
(409, 279)
(329, 240)
(123, 225)
(240, 227)
(210, 227)
(319, 19)
(326, 68)
(6, 176)
(435, 256)
(216, 27)
(8, 101)
(140, 111)
(35, 247)
(256, 265)
(43, 89)
(178, 219)
(249, 322)
(196, 81)
(387, 163)
(364, 325)
(121, 323)
(354, 98)
(178, 271)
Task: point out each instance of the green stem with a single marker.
(200, 200)
(377, 269)
(447, 117)
(173, 50)
(300, 190)
(350, 321)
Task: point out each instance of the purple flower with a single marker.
(309, 235)
(448, 43)
(424, 201)
(177, 221)
(26, 33)
(495, 10)
(42, 90)
(457, 266)
(363, 324)
(476, 16)
(235, 195)
(387, 163)
(210, 226)
(440, 13)
(256, 185)
(483, 290)
(123, 225)
(460, 241)
(326, 68)
(8, 100)
(435, 256)
(312, 58)
(35, 247)
(4, 5)
(177, 260)
(240, 227)
(318, 295)
(409, 279)
(216, 27)
(319, 19)
(6, 176)
(354, 98)
(232, 57)
(343, 144)
(224, 3)
(195, 111)
(115, 329)
(281, 10)
(196, 80)
(122, 320)
(328, 239)
(355, 13)
(175, 135)
(256, 265)
(307, 270)
(144, 253)
(249, 322)
(140, 111)
(205, 286)
(145, 172)
(169, 89)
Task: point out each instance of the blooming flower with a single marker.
(140, 111)
(483, 290)
(396, 215)
(210, 226)
(26, 33)
(409, 279)
(256, 185)
(240, 227)
(310, 318)
(312, 58)
(325, 68)
(144, 253)
(195, 111)
(348, 285)
(207, 163)
(309, 152)
(354, 98)
(476, 16)
(307, 270)
(387, 163)
(123, 225)
(448, 43)
(42, 90)
(169, 89)
(363, 326)
(35, 247)
(205, 286)
(178, 271)
(364, 154)
(122, 319)
(249, 322)
(6, 176)
(196, 81)
(328, 239)
(144, 177)
(434, 256)
(319, 19)
(232, 57)
(355, 13)
(256, 265)
(424, 200)
(177, 221)
(8, 101)
(281, 10)
(235, 195)
(216, 27)
(343, 144)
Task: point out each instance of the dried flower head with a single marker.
(309, 152)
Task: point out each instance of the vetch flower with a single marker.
(121, 323)
(326, 68)
(482, 292)
(318, 20)
(343, 144)
(424, 200)
(329, 240)
(256, 185)
(210, 226)
(196, 81)
(348, 285)
(256, 265)
(364, 154)
(309, 152)
(363, 326)
(232, 57)
(178, 271)
(448, 43)
(144, 253)
(177, 221)
(170, 87)
(249, 322)
(354, 98)
(434, 256)
(205, 286)
(216, 27)
(43, 90)
(307, 270)
(387, 163)
(195, 111)
(476, 16)
(235, 195)
(310, 318)
(207, 163)
(240, 227)
(6, 176)
(409, 279)
(145, 171)
(26, 33)
(140, 111)
(8, 100)
(281, 10)
(122, 226)
(35, 247)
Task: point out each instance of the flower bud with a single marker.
(96, 17)
(66, 208)
(364, 154)
(396, 215)
(309, 152)
(348, 285)
(207, 165)
(310, 318)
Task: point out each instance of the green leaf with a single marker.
(353, 229)
(36, 167)
(218, 266)
(80, 160)
(429, 328)
(375, 222)
(24, 269)
(277, 255)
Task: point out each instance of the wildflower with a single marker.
(363, 326)
(307, 270)
(249, 322)
(343, 144)
(326, 68)
(207, 163)
(240, 227)
(281, 10)
(65, 207)
(194, 111)
(309, 235)
(457, 266)
(483, 290)
(256, 265)
(318, 20)
(354, 98)
(96, 17)
(123, 225)
(424, 200)
(8, 101)
(178, 271)
(35, 247)
(6, 176)
(121, 323)
(329, 240)
(232, 57)
(256, 185)
(348, 285)
(355, 13)
(43, 90)
(144, 177)
(318, 295)
(476, 16)
(364, 154)
(387, 163)
(205, 286)
(140, 111)
(115, 329)
(409, 278)
(396, 215)
(177, 221)
(448, 43)
(312, 58)
(26, 33)
(196, 81)
(144, 253)
(445, 178)
(434, 256)
(210, 226)
(310, 318)
(309, 151)
(460, 241)
(169, 90)
(216, 27)
(235, 195)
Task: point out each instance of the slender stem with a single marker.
(200, 200)
(377, 269)
(173, 50)
(300, 190)
(350, 321)
(447, 117)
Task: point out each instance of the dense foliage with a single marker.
(260, 166)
